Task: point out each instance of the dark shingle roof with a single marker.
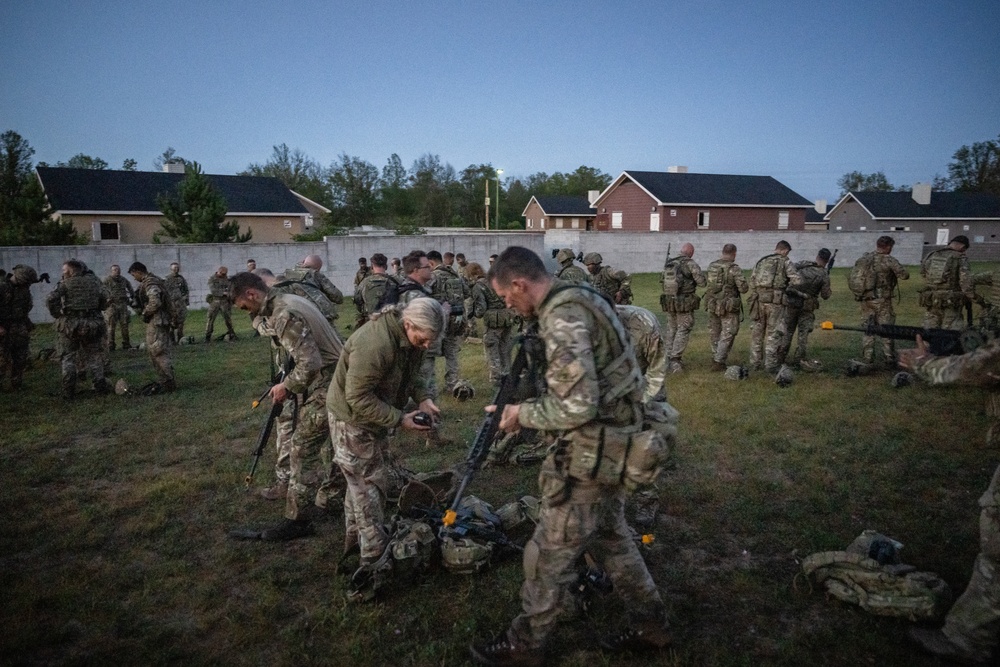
(717, 189)
(136, 191)
(564, 205)
(943, 205)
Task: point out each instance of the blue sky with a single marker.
(802, 91)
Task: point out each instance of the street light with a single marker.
(497, 225)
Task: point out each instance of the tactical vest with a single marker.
(941, 270)
(166, 313)
(676, 277)
(722, 296)
(863, 279)
(769, 273)
(497, 315)
(118, 289)
(81, 296)
(372, 289)
(176, 287)
(604, 281)
(309, 291)
(326, 338)
(572, 273)
(218, 287)
(449, 288)
(19, 305)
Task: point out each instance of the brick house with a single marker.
(110, 206)
(558, 212)
(655, 201)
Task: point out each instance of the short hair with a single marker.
(396, 261)
(823, 255)
(474, 271)
(251, 260)
(243, 282)
(729, 249)
(362, 260)
(964, 240)
(379, 260)
(113, 266)
(263, 273)
(783, 245)
(137, 266)
(460, 255)
(517, 262)
(493, 257)
(75, 266)
(885, 242)
(434, 256)
(175, 264)
(449, 255)
(412, 261)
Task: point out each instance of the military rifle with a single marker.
(667, 260)
(265, 430)
(463, 526)
(942, 342)
(507, 393)
(833, 258)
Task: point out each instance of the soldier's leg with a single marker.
(774, 347)
(791, 321)
(869, 311)
(213, 312)
(491, 350)
(953, 318)
(428, 370)
(714, 333)
(361, 457)
(449, 348)
(311, 431)
(729, 326)
(125, 320)
(158, 346)
(181, 317)
(886, 315)
(283, 427)
(227, 315)
(807, 320)
(933, 318)
(685, 323)
(67, 364)
(18, 344)
(110, 320)
(758, 331)
(669, 331)
(507, 335)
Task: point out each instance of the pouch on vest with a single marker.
(612, 456)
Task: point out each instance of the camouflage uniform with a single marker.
(989, 299)
(377, 374)
(876, 306)
(725, 282)
(771, 275)
(362, 273)
(76, 304)
(588, 358)
(448, 288)
(218, 301)
(500, 322)
(568, 271)
(369, 293)
(973, 623)
(945, 295)
(802, 302)
(303, 334)
(120, 297)
(15, 305)
(616, 285)
(316, 287)
(180, 299)
(410, 289)
(680, 305)
(157, 313)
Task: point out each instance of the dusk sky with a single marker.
(802, 91)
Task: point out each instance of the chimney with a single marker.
(173, 167)
(821, 206)
(592, 196)
(922, 193)
(677, 170)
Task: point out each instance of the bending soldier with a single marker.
(569, 271)
(802, 303)
(156, 311)
(616, 285)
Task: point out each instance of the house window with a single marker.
(543, 223)
(979, 239)
(965, 228)
(703, 219)
(862, 228)
(616, 220)
(900, 229)
(106, 231)
(559, 223)
(782, 219)
(673, 213)
(576, 223)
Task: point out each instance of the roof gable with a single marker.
(960, 205)
(565, 205)
(711, 189)
(79, 190)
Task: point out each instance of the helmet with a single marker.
(736, 373)
(24, 274)
(901, 379)
(564, 254)
(592, 258)
(463, 391)
(784, 376)
(462, 555)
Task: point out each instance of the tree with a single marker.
(168, 156)
(471, 207)
(393, 194)
(129, 165)
(976, 168)
(25, 216)
(354, 186)
(196, 213)
(297, 171)
(856, 181)
(81, 161)
(429, 185)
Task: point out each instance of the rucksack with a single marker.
(671, 269)
(940, 269)
(393, 291)
(765, 273)
(715, 277)
(862, 279)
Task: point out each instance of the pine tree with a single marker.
(196, 213)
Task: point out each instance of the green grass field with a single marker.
(115, 511)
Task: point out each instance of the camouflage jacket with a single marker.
(489, 307)
(572, 273)
(119, 290)
(959, 277)
(449, 288)
(410, 289)
(688, 274)
(305, 335)
(773, 273)
(888, 272)
(731, 282)
(815, 285)
(218, 288)
(370, 291)
(379, 371)
(15, 302)
(154, 301)
(177, 288)
(78, 296)
(647, 340)
(361, 274)
(616, 285)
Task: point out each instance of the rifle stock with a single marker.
(942, 342)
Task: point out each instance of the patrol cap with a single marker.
(592, 258)
(564, 254)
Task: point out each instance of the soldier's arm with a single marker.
(131, 292)
(794, 278)
(299, 343)
(154, 301)
(329, 289)
(367, 368)
(697, 274)
(656, 373)
(900, 270)
(54, 302)
(738, 279)
(478, 301)
(965, 277)
(984, 278)
(979, 367)
(825, 290)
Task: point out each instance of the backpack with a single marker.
(715, 277)
(940, 269)
(765, 273)
(392, 292)
(862, 279)
(671, 284)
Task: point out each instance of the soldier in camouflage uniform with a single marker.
(971, 631)
(363, 271)
(680, 278)
(771, 276)
(396, 269)
(156, 311)
(180, 299)
(76, 304)
(569, 271)
(801, 305)
(461, 268)
(592, 379)
(948, 286)
(314, 347)
(369, 293)
(616, 285)
(308, 276)
(876, 305)
(15, 325)
(989, 299)
(499, 320)
(218, 301)
(724, 282)
(377, 375)
(417, 268)
(120, 297)
(450, 291)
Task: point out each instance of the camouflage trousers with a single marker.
(591, 520)
(158, 347)
(497, 344)
(305, 437)
(973, 623)
(363, 457)
(767, 337)
(116, 316)
(677, 333)
(80, 352)
(878, 311)
(226, 308)
(180, 315)
(448, 348)
(799, 323)
(945, 318)
(14, 347)
(722, 330)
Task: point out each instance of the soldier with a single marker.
(989, 299)
(616, 285)
(569, 271)
(372, 290)
(156, 311)
(461, 265)
(873, 281)
(771, 276)
(724, 282)
(15, 324)
(218, 301)
(450, 291)
(493, 258)
(681, 276)
(948, 287)
(363, 271)
(594, 386)
(251, 265)
(76, 304)
(180, 299)
(417, 268)
(120, 297)
(969, 634)
(376, 377)
(802, 302)
(396, 267)
(499, 321)
(309, 276)
(302, 332)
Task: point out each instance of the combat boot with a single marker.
(503, 652)
(936, 642)
(208, 337)
(288, 529)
